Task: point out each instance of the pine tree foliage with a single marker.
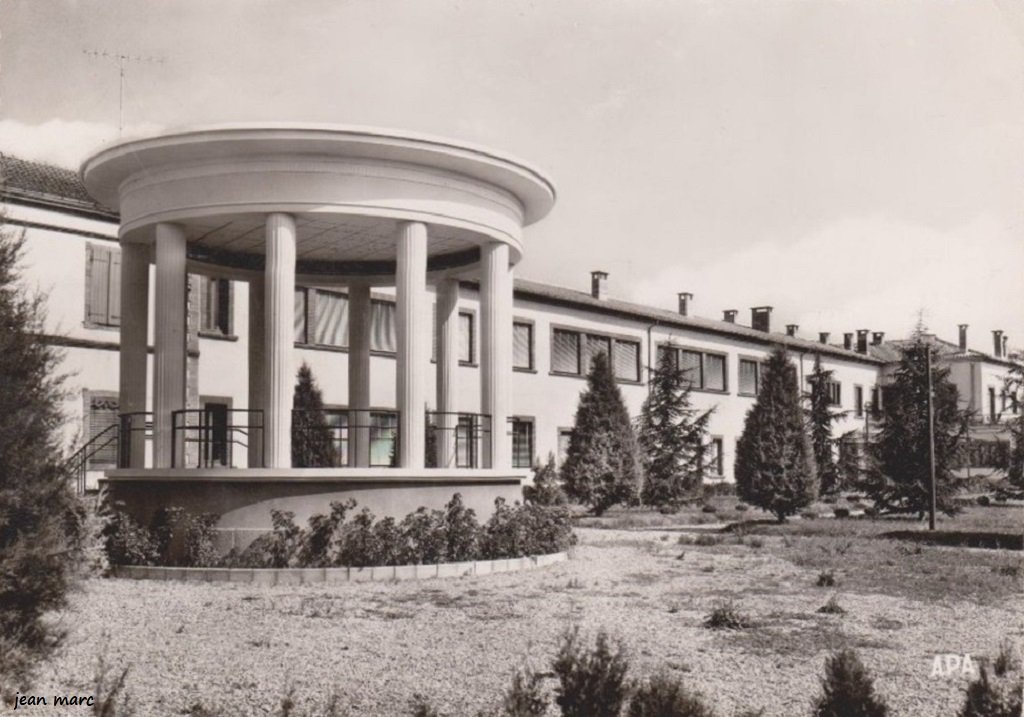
(774, 459)
(602, 466)
(848, 690)
(898, 479)
(40, 517)
(672, 435)
(1014, 388)
(546, 489)
(820, 417)
(312, 444)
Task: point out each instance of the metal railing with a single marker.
(77, 465)
(202, 438)
(135, 430)
(469, 434)
(326, 438)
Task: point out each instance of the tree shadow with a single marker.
(960, 539)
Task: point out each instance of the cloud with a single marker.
(62, 142)
(868, 273)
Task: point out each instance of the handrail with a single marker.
(215, 440)
(77, 464)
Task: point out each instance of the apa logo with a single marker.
(947, 665)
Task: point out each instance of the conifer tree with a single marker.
(671, 434)
(1014, 387)
(312, 443)
(898, 479)
(774, 459)
(40, 517)
(820, 418)
(602, 466)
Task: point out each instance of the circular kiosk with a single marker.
(273, 205)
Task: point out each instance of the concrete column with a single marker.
(279, 313)
(447, 319)
(496, 351)
(133, 353)
(413, 342)
(169, 343)
(359, 375)
(257, 379)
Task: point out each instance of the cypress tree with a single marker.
(898, 479)
(774, 459)
(671, 436)
(312, 443)
(40, 517)
(602, 467)
(1014, 387)
(820, 418)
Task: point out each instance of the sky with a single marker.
(850, 163)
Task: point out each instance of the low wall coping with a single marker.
(311, 576)
(319, 475)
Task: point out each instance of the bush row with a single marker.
(452, 534)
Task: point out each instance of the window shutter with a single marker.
(627, 360)
(714, 372)
(689, 362)
(98, 285)
(103, 413)
(522, 346)
(114, 290)
(593, 346)
(565, 356)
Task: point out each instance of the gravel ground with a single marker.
(457, 641)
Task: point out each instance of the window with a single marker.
(215, 306)
(383, 431)
(301, 322)
(382, 326)
(467, 433)
(749, 374)
(102, 412)
(466, 338)
(321, 317)
(876, 402)
(337, 422)
(565, 351)
(564, 438)
(716, 463)
(522, 443)
(705, 371)
(573, 352)
(102, 285)
(522, 346)
(835, 393)
(858, 401)
(626, 360)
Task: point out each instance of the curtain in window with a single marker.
(593, 346)
(714, 372)
(300, 316)
(689, 362)
(748, 376)
(626, 361)
(522, 444)
(466, 338)
(331, 326)
(522, 345)
(338, 422)
(565, 354)
(382, 326)
(383, 435)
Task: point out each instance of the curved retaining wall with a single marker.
(327, 576)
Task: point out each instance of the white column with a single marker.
(279, 313)
(447, 362)
(257, 380)
(359, 375)
(413, 342)
(133, 354)
(496, 351)
(169, 339)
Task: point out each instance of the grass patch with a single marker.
(726, 616)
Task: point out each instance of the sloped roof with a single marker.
(892, 351)
(40, 184)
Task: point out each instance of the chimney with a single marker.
(599, 284)
(823, 336)
(761, 318)
(1006, 348)
(997, 340)
(963, 338)
(729, 316)
(877, 337)
(848, 342)
(684, 302)
(791, 329)
(862, 341)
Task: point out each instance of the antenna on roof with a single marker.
(121, 59)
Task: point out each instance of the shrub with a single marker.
(847, 689)
(524, 697)
(707, 508)
(546, 489)
(663, 696)
(127, 542)
(278, 548)
(199, 537)
(319, 540)
(741, 507)
(725, 616)
(592, 683)
(754, 543)
(422, 538)
(826, 579)
(461, 530)
(842, 512)
(809, 515)
(1005, 661)
(984, 500)
(706, 539)
(358, 546)
(504, 535)
(986, 698)
(388, 537)
(832, 607)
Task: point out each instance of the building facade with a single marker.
(72, 256)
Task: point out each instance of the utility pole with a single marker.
(121, 59)
(931, 437)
